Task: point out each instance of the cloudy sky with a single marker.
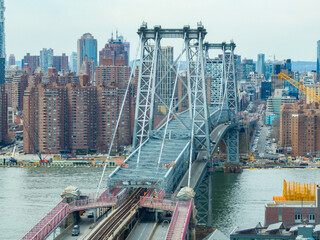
(284, 28)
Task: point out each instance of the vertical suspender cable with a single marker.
(119, 117)
(170, 110)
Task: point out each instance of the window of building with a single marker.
(311, 218)
(297, 217)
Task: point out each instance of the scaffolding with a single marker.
(293, 191)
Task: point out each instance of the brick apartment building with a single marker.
(115, 49)
(112, 75)
(75, 117)
(3, 114)
(15, 87)
(300, 128)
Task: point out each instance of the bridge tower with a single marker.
(231, 102)
(224, 91)
(195, 85)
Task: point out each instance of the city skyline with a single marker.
(254, 27)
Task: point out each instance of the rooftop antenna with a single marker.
(117, 34)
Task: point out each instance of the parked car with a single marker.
(76, 230)
(90, 215)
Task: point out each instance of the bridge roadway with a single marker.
(148, 173)
(200, 166)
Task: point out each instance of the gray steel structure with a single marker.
(163, 154)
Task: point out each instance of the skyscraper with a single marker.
(60, 63)
(46, 56)
(87, 47)
(2, 34)
(32, 62)
(2, 70)
(12, 60)
(2, 43)
(73, 62)
(318, 61)
(261, 64)
(115, 50)
(247, 66)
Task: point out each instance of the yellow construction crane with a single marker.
(307, 91)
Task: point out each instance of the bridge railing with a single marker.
(92, 203)
(48, 222)
(157, 203)
(180, 221)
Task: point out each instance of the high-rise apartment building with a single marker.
(2, 33)
(32, 62)
(318, 60)
(261, 64)
(12, 60)
(73, 62)
(44, 110)
(2, 70)
(109, 104)
(15, 87)
(3, 114)
(60, 63)
(300, 128)
(247, 66)
(46, 57)
(76, 117)
(115, 50)
(87, 48)
(112, 75)
(88, 67)
(82, 116)
(165, 75)
(214, 68)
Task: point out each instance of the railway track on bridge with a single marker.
(106, 230)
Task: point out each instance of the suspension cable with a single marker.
(152, 75)
(171, 107)
(119, 117)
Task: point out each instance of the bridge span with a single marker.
(185, 140)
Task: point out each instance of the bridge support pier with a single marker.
(203, 201)
(232, 142)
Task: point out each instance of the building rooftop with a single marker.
(277, 231)
(310, 204)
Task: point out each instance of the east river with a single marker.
(26, 195)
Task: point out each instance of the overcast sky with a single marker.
(286, 28)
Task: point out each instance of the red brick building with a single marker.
(15, 87)
(76, 117)
(3, 114)
(300, 128)
(115, 50)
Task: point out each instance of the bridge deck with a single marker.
(148, 173)
(174, 160)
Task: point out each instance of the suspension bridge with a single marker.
(178, 152)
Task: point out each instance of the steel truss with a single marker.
(204, 216)
(232, 137)
(148, 84)
(198, 91)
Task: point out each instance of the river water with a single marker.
(26, 195)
